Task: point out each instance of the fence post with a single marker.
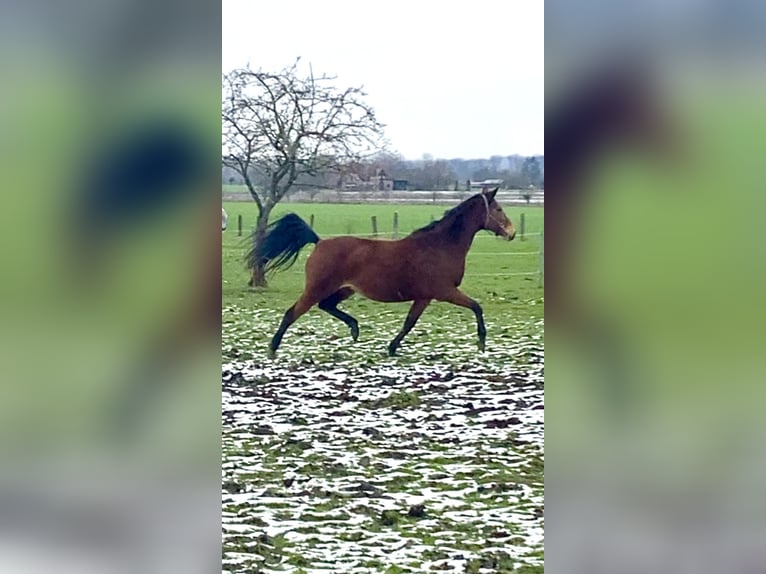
(311, 221)
(239, 225)
(374, 226)
(522, 227)
(396, 225)
(542, 259)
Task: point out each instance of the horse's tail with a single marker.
(279, 248)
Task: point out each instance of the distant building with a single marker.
(399, 184)
(378, 182)
(384, 182)
(351, 182)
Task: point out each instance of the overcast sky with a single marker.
(453, 79)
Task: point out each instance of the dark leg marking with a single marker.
(290, 317)
(416, 310)
(330, 305)
(461, 299)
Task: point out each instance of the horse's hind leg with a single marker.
(416, 311)
(291, 315)
(330, 305)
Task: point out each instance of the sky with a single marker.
(451, 79)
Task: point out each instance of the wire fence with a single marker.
(522, 235)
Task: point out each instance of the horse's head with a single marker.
(495, 219)
(620, 106)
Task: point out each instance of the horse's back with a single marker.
(346, 255)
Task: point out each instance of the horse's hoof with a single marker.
(481, 346)
(272, 353)
(392, 351)
(355, 334)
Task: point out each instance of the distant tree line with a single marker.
(427, 173)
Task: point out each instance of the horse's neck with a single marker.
(573, 151)
(576, 151)
(465, 239)
(441, 237)
(576, 154)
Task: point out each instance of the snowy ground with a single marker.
(337, 458)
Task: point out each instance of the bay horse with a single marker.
(426, 265)
(617, 107)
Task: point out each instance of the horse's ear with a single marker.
(491, 194)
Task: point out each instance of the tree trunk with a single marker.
(258, 278)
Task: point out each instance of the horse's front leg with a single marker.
(459, 298)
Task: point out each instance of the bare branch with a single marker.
(280, 126)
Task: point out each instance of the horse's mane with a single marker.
(452, 222)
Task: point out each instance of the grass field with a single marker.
(337, 458)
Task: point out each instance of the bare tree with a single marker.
(281, 126)
(390, 162)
